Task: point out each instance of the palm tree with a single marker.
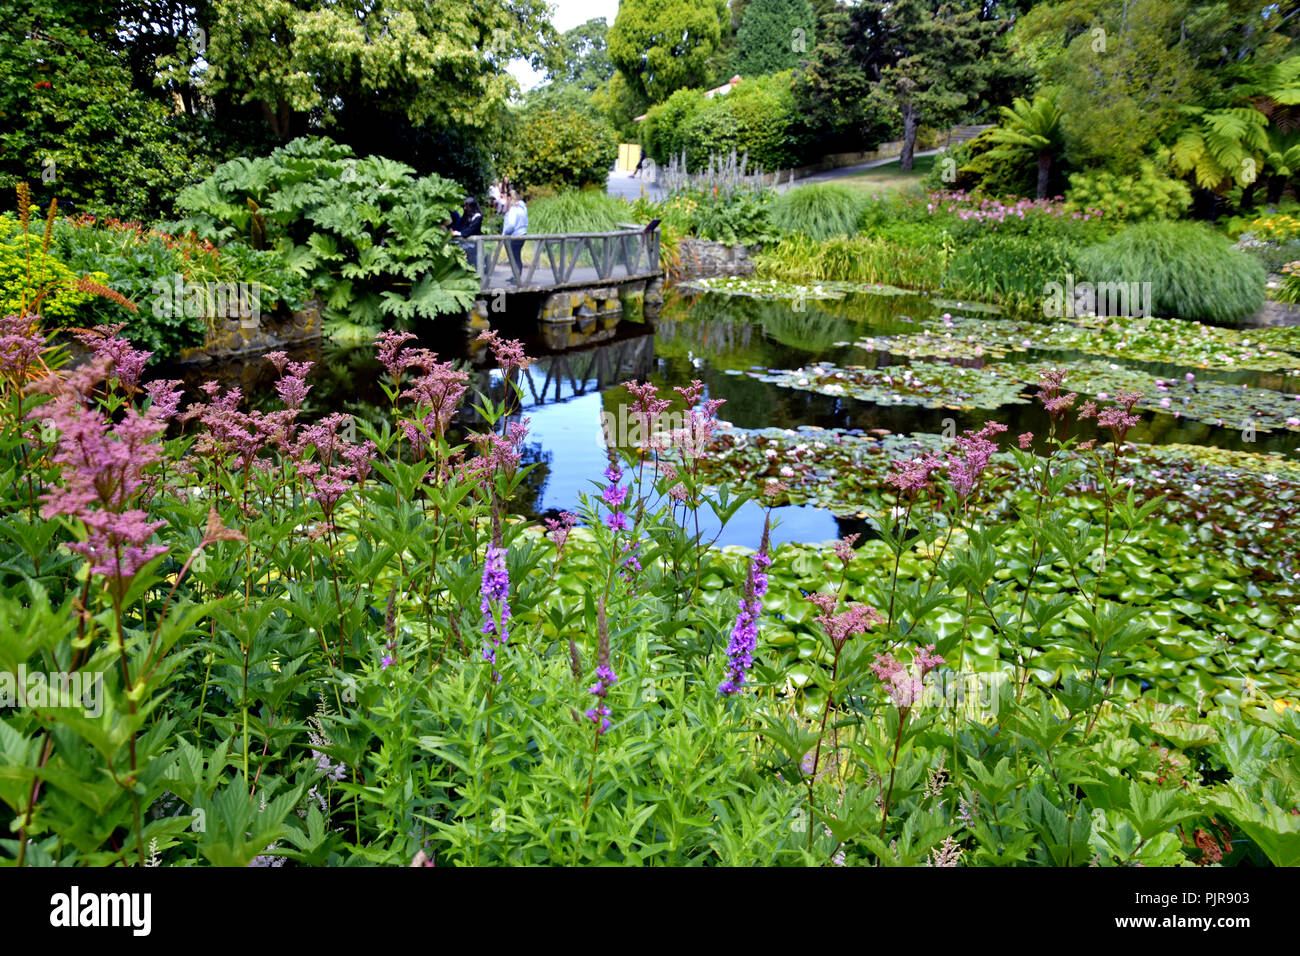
(1033, 128)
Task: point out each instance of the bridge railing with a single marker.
(547, 260)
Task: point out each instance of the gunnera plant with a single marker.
(818, 212)
(1194, 272)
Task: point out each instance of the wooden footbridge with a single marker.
(585, 280)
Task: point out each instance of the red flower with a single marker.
(41, 85)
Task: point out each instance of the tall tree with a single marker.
(663, 45)
(581, 56)
(442, 62)
(920, 60)
(775, 35)
(931, 66)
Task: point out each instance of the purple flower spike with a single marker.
(744, 634)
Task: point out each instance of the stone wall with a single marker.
(702, 258)
(1274, 313)
(232, 337)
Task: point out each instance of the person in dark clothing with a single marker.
(468, 223)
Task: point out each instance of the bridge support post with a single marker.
(579, 316)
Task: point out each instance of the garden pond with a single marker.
(825, 385)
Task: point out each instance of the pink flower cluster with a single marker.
(102, 466)
(966, 466)
(839, 626)
(21, 344)
(701, 420)
(436, 389)
(905, 684)
(985, 209)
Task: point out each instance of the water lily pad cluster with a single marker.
(924, 384)
(1186, 343)
(1245, 504)
(1203, 400)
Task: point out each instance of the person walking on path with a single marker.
(516, 224)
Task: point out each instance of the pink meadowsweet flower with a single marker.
(856, 618)
(437, 393)
(360, 459)
(165, 397)
(21, 344)
(1128, 399)
(646, 406)
(329, 489)
(844, 548)
(966, 466)
(102, 469)
(559, 530)
(913, 475)
(1087, 410)
(127, 361)
(509, 353)
(1026, 440)
(389, 348)
(904, 684)
(1117, 420)
(292, 386)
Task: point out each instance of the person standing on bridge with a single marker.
(516, 224)
(470, 223)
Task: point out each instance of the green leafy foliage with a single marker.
(74, 126)
(660, 47)
(366, 234)
(561, 146)
(1148, 195)
(774, 35)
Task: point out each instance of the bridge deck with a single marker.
(542, 263)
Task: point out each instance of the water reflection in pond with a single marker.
(717, 339)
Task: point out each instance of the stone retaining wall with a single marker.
(702, 258)
(232, 337)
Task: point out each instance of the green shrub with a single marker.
(1194, 272)
(577, 210)
(973, 170)
(71, 110)
(562, 146)
(763, 40)
(733, 216)
(138, 263)
(661, 130)
(818, 212)
(1149, 195)
(367, 234)
(757, 117)
(1009, 270)
(26, 273)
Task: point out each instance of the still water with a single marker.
(716, 339)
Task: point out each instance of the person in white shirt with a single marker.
(516, 224)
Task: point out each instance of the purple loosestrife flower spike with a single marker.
(495, 591)
(744, 633)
